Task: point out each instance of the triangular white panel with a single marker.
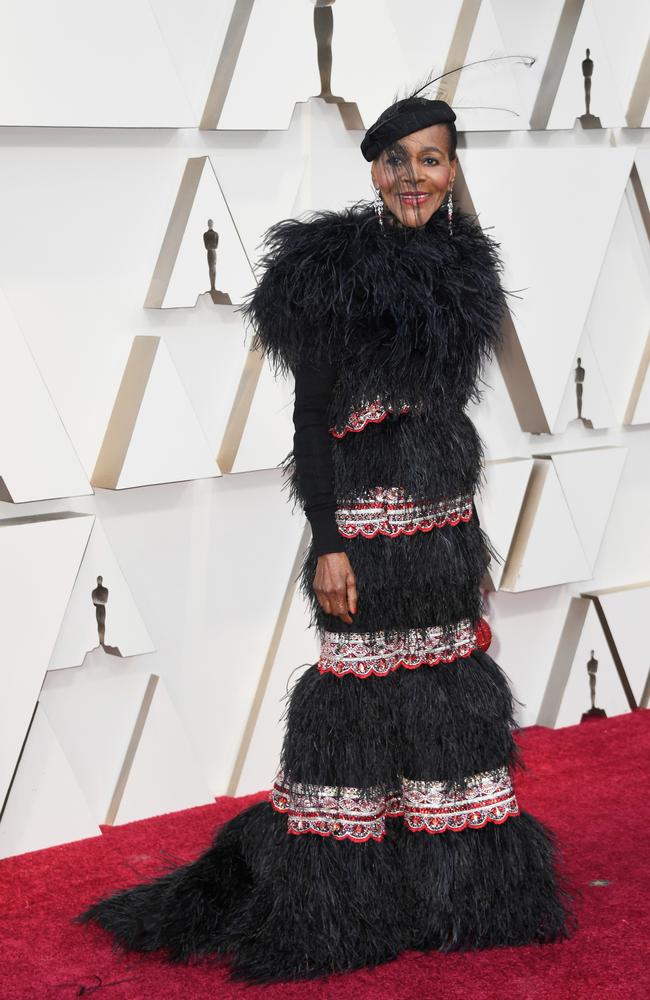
(46, 806)
(610, 695)
(298, 648)
(254, 206)
(621, 302)
(37, 460)
(199, 200)
(167, 444)
(495, 419)
(359, 71)
(606, 102)
(553, 553)
(491, 86)
(93, 709)
(586, 399)
(75, 63)
(589, 479)
(526, 29)
(268, 434)
(165, 775)
(208, 348)
(499, 506)
(125, 631)
(39, 561)
(280, 73)
(194, 33)
(522, 213)
(625, 30)
(627, 611)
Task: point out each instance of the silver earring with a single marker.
(450, 212)
(378, 206)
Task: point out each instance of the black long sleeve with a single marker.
(312, 449)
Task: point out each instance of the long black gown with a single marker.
(392, 821)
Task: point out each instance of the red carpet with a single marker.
(588, 783)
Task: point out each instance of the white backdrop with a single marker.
(128, 397)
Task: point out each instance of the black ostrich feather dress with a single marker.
(392, 822)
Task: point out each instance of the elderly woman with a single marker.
(392, 822)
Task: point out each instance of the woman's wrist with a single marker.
(326, 538)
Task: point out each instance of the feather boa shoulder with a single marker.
(335, 284)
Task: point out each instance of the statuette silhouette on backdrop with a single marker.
(592, 670)
(588, 120)
(211, 242)
(99, 598)
(324, 30)
(579, 378)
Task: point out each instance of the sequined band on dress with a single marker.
(355, 653)
(355, 814)
(388, 510)
(371, 413)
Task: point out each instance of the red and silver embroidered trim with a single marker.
(358, 815)
(352, 652)
(371, 413)
(342, 813)
(390, 511)
(488, 798)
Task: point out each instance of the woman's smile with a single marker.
(414, 198)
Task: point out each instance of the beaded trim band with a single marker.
(390, 511)
(342, 813)
(488, 798)
(371, 413)
(344, 653)
(358, 815)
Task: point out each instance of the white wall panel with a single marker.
(56, 59)
(39, 561)
(625, 30)
(268, 79)
(182, 273)
(606, 102)
(46, 805)
(627, 611)
(589, 479)
(93, 711)
(297, 650)
(610, 695)
(499, 507)
(165, 775)
(125, 632)
(37, 460)
(168, 443)
(516, 193)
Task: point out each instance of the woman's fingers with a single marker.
(335, 586)
(352, 593)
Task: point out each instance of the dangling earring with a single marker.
(378, 206)
(450, 212)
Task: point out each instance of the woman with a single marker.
(392, 822)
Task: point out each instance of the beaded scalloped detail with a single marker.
(358, 814)
(355, 653)
(371, 413)
(342, 813)
(488, 797)
(390, 511)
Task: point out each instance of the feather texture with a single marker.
(403, 310)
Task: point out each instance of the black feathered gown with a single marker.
(392, 822)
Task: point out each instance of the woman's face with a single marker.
(414, 178)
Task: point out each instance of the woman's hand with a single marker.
(335, 586)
